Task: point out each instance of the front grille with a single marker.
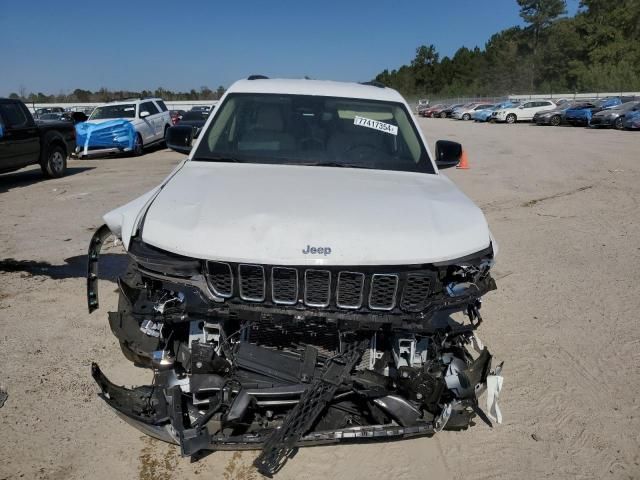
(317, 291)
(383, 292)
(416, 292)
(350, 289)
(220, 278)
(284, 285)
(252, 282)
(381, 289)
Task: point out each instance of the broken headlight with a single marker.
(159, 261)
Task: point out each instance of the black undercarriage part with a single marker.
(237, 373)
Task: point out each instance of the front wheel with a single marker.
(618, 124)
(555, 120)
(138, 146)
(443, 115)
(55, 163)
(511, 118)
(466, 116)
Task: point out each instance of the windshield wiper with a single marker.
(217, 158)
(334, 164)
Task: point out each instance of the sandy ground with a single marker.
(563, 204)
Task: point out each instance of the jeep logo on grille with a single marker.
(317, 250)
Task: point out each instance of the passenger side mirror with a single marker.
(179, 138)
(448, 153)
(144, 114)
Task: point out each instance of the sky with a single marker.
(57, 46)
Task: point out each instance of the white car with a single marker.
(150, 118)
(298, 271)
(523, 112)
(465, 113)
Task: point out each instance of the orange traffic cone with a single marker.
(464, 162)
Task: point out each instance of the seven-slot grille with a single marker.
(322, 288)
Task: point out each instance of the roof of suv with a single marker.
(323, 88)
(133, 100)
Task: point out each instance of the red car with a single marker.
(429, 112)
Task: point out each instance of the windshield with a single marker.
(580, 106)
(314, 130)
(605, 102)
(114, 111)
(625, 107)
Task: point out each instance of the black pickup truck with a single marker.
(24, 141)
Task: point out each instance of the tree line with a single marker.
(598, 49)
(105, 95)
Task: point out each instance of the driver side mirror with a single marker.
(448, 154)
(144, 114)
(179, 138)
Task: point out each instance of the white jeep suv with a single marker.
(150, 118)
(293, 281)
(526, 111)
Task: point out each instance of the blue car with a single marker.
(632, 120)
(485, 114)
(580, 115)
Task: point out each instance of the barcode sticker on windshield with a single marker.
(376, 125)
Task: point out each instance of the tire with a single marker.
(466, 116)
(618, 124)
(138, 146)
(54, 165)
(511, 118)
(443, 115)
(555, 120)
(164, 141)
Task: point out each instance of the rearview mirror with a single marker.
(179, 138)
(448, 153)
(144, 114)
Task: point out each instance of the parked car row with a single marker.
(615, 112)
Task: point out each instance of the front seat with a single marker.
(267, 133)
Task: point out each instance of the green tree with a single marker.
(540, 14)
(424, 67)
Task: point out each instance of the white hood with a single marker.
(269, 214)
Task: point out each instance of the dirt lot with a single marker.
(563, 204)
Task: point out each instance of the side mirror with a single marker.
(521, 107)
(144, 114)
(1, 131)
(448, 153)
(179, 138)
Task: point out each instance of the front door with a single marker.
(20, 142)
(152, 120)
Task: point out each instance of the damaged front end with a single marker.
(249, 356)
